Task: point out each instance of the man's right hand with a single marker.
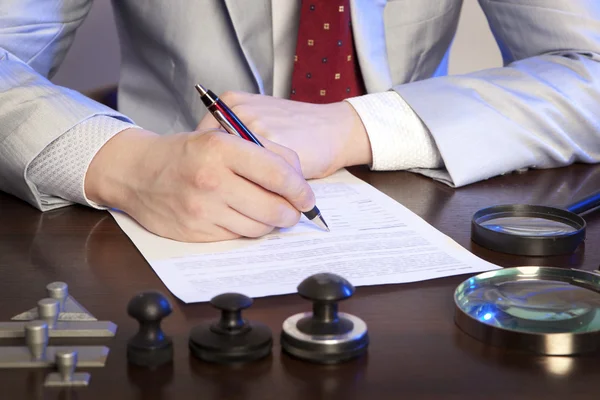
(199, 186)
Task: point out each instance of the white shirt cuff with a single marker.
(58, 172)
(399, 139)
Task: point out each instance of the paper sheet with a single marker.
(373, 240)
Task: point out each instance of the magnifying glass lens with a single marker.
(527, 226)
(532, 230)
(546, 310)
(533, 306)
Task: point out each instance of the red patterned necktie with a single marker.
(325, 65)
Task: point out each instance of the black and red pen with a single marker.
(232, 124)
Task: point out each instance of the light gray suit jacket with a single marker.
(540, 110)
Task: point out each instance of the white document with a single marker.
(374, 240)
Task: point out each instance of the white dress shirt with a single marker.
(399, 140)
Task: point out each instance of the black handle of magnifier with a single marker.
(587, 204)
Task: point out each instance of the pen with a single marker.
(232, 124)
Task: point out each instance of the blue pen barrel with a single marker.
(587, 204)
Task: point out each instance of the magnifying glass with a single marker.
(533, 230)
(546, 310)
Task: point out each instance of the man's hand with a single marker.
(326, 137)
(200, 186)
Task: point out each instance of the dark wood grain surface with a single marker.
(416, 350)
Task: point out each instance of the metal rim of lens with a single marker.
(530, 245)
(540, 343)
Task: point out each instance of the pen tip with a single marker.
(201, 89)
(320, 222)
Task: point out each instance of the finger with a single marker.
(238, 223)
(209, 233)
(232, 99)
(259, 204)
(208, 215)
(272, 172)
(208, 122)
(217, 222)
(182, 232)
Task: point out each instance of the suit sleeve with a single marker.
(34, 38)
(540, 110)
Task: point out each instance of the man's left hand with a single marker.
(326, 137)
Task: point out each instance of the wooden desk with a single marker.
(416, 350)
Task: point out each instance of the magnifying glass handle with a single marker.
(589, 203)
